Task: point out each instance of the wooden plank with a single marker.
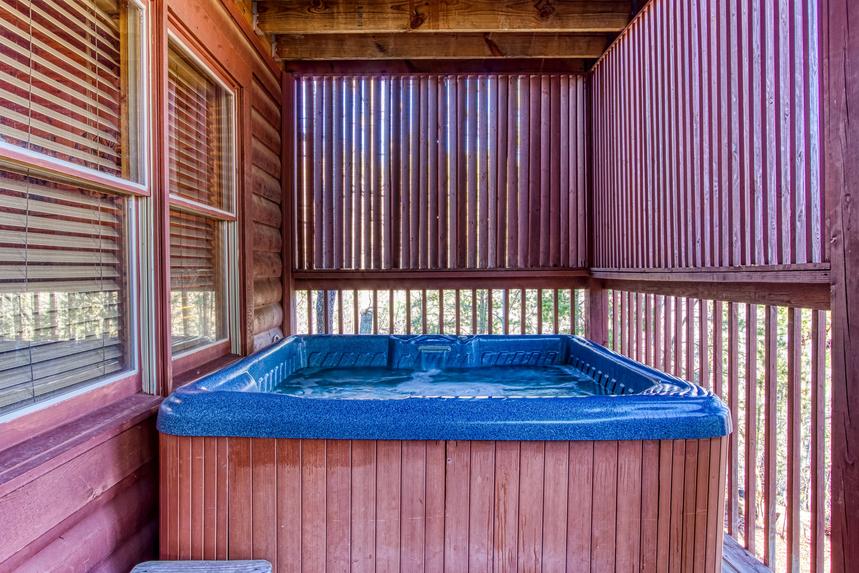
(388, 504)
(289, 506)
(750, 475)
(363, 506)
(481, 512)
(481, 16)
(531, 488)
(629, 505)
(338, 511)
(263, 511)
(506, 506)
(603, 531)
(250, 566)
(839, 95)
(414, 508)
(794, 411)
(185, 491)
(438, 46)
(733, 405)
(675, 532)
(555, 505)
(580, 504)
(690, 496)
(818, 431)
(456, 505)
(649, 506)
(240, 532)
(313, 505)
(436, 492)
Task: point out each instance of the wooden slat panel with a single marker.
(363, 507)
(409, 187)
(735, 120)
(493, 506)
(603, 532)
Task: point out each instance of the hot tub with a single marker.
(421, 453)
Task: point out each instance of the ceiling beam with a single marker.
(472, 66)
(388, 16)
(438, 46)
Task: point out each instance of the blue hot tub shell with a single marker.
(640, 403)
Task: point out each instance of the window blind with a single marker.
(63, 309)
(199, 111)
(61, 82)
(196, 116)
(196, 280)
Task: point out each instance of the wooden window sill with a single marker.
(43, 452)
(198, 372)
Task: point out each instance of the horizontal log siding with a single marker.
(433, 171)
(706, 138)
(266, 300)
(339, 505)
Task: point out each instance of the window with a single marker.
(200, 153)
(71, 167)
(63, 287)
(68, 89)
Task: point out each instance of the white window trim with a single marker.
(229, 229)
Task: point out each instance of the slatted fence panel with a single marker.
(437, 171)
(771, 367)
(707, 130)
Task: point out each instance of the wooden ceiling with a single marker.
(576, 32)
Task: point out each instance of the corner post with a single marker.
(596, 318)
(839, 42)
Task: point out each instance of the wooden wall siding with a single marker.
(438, 171)
(268, 224)
(840, 32)
(335, 505)
(440, 311)
(771, 366)
(706, 138)
(91, 508)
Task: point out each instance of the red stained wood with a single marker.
(363, 507)
(33, 508)
(457, 503)
(338, 490)
(603, 517)
(481, 506)
(414, 506)
(629, 506)
(839, 97)
(719, 165)
(388, 505)
(502, 506)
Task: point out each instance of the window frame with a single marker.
(137, 195)
(43, 165)
(228, 220)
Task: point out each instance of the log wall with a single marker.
(338, 505)
(267, 217)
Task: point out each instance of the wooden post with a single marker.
(596, 323)
(287, 137)
(840, 53)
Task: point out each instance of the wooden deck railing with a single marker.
(456, 311)
(771, 366)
